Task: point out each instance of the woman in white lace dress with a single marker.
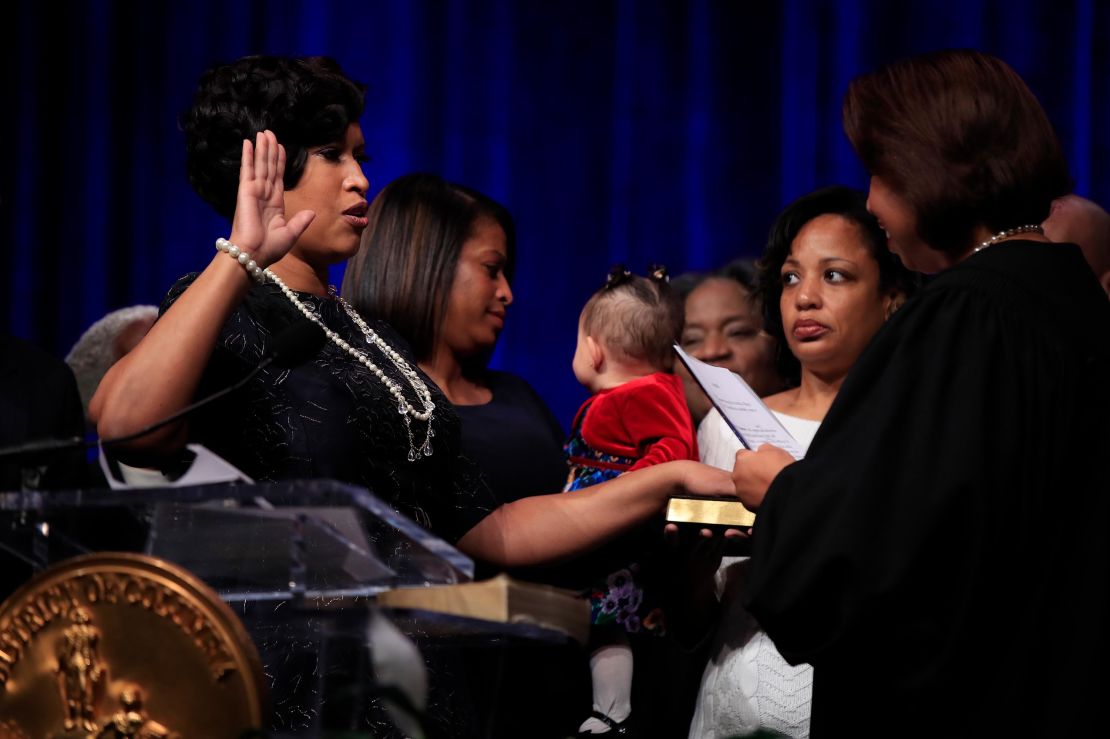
(828, 284)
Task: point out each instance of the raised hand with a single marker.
(260, 228)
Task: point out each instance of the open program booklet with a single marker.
(751, 421)
(743, 411)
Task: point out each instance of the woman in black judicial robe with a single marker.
(939, 555)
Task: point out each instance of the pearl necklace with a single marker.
(1007, 234)
(404, 408)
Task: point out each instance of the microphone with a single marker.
(288, 348)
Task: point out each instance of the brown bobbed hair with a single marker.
(962, 139)
(405, 268)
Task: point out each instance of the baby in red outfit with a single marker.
(636, 417)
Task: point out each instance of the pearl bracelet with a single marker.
(240, 256)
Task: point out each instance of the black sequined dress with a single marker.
(330, 417)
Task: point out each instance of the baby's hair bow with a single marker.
(618, 275)
(658, 273)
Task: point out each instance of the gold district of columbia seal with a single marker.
(112, 645)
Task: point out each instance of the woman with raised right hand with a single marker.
(359, 409)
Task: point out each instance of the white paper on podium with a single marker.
(207, 467)
(743, 411)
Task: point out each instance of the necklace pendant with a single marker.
(404, 409)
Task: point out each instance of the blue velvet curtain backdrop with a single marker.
(613, 130)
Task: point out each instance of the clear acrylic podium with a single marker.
(298, 561)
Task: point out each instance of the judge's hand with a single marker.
(754, 471)
(260, 228)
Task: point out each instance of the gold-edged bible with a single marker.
(500, 599)
(710, 512)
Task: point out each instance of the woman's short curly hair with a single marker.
(836, 200)
(305, 101)
(960, 136)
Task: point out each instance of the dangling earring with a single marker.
(893, 306)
